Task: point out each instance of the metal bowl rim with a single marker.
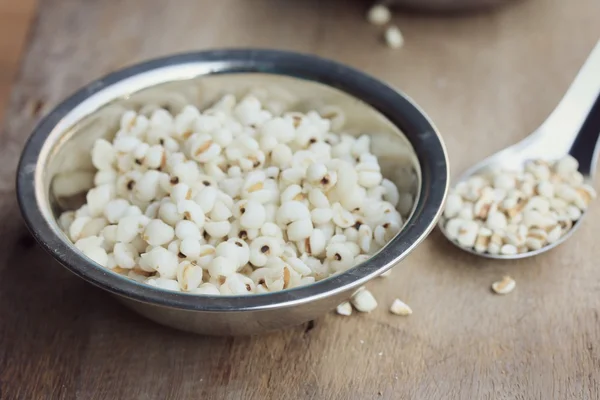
(393, 104)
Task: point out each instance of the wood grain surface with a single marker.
(486, 80)
(15, 18)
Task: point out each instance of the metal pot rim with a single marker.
(394, 105)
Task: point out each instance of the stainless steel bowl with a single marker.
(55, 170)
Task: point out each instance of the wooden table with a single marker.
(487, 80)
(15, 17)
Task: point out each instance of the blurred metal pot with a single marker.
(446, 5)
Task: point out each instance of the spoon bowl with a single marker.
(573, 128)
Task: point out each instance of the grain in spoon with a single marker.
(570, 133)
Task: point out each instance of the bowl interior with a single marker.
(55, 167)
(68, 171)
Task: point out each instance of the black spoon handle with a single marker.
(585, 147)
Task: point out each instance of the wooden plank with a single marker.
(15, 18)
(487, 80)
